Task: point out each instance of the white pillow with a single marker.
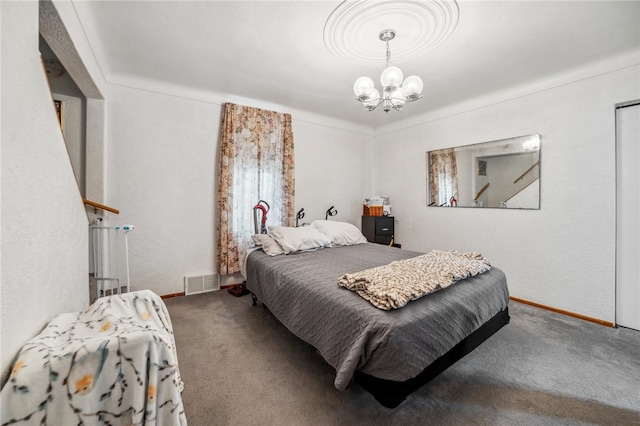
(296, 239)
(268, 244)
(340, 233)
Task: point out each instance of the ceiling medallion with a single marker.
(350, 30)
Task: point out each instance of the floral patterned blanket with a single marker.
(394, 285)
(114, 363)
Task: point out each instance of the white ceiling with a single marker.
(274, 51)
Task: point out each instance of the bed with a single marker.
(390, 353)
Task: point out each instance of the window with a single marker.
(256, 163)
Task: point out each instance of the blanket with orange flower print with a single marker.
(113, 363)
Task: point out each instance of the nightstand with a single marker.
(378, 229)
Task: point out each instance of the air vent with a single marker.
(194, 284)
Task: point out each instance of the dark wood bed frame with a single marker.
(390, 393)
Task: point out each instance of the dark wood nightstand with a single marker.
(378, 229)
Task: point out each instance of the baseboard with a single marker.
(562, 311)
(169, 296)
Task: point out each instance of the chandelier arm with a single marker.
(393, 98)
(380, 99)
(413, 99)
(368, 103)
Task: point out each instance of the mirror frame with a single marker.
(466, 173)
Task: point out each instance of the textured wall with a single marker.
(162, 174)
(44, 226)
(334, 167)
(562, 255)
(74, 112)
(94, 151)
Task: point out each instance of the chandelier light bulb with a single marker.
(412, 88)
(391, 77)
(363, 88)
(373, 101)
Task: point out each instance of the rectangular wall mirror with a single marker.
(497, 174)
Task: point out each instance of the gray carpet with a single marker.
(240, 366)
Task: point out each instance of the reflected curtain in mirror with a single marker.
(443, 176)
(256, 163)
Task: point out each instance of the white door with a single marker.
(628, 216)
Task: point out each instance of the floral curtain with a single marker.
(443, 176)
(256, 163)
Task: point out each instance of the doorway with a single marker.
(627, 215)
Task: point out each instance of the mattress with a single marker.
(302, 292)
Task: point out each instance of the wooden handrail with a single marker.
(527, 171)
(484, 188)
(97, 206)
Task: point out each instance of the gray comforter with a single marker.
(302, 291)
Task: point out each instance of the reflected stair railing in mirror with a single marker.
(526, 172)
(520, 190)
(479, 194)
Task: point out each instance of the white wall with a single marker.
(161, 169)
(74, 130)
(562, 255)
(334, 167)
(162, 162)
(43, 223)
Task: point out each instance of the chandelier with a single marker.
(395, 92)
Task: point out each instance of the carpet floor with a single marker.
(240, 366)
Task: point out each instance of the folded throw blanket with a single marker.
(396, 284)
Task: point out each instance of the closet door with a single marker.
(628, 216)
